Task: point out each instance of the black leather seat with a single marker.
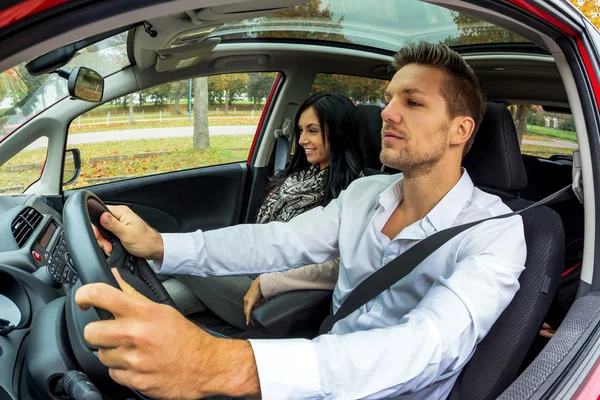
(372, 122)
(495, 165)
(299, 313)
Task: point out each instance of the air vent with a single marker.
(24, 225)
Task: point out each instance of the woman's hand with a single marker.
(252, 299)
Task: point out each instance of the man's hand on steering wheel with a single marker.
(138, 238)
(152, 348)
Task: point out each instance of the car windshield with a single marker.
(22, 96)
(382, 24)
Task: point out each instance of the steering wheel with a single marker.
(82, 209)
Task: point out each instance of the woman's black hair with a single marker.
(342, 127)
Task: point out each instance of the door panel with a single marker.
(206, 198)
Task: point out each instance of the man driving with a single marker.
(411, 340)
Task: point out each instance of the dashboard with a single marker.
(35, 269)
(32, 239)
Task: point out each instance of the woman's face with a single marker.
(311, 138)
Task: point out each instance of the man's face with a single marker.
(416, 124)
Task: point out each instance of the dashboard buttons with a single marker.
(36, 254)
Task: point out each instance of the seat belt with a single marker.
(405, 263)
(283, 136)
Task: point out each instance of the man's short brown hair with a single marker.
(461, 90)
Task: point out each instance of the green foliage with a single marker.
(259, 85)
(319, 17)
(552, 133)
(357, 88)
(476, 31)
(567, 124)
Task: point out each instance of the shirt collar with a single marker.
(445, 212)
(393, 194)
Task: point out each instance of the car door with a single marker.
(140, 151)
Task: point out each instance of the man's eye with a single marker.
(414, 103)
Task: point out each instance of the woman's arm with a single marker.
(321, 276)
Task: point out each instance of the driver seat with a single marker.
(495, 165)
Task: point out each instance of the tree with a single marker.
(160, 94)
(230, 84)
(321, 26)
(521, 121)
(12, 86)
(259, 86)
(131, 108)
(589, 8)
(201, 138)
(476, 31)
(364, 90)
(214, 96)
(177, 91)
(142, 96)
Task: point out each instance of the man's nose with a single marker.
(391, 113)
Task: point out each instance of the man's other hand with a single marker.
(138, 238)
(152, 348)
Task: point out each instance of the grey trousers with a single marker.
(223, 295)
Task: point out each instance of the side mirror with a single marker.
(86, 84)
(72, 166)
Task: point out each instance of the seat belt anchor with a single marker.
(285, 131)
(577, 176)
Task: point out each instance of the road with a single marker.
(187, 131)
(557, 143)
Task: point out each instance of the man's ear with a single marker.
(462, 130)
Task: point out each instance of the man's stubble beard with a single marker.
(410, 162)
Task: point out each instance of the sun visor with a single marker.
(160, 41)
(184, 56)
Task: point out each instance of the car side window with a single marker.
(171, 127)
(544, 131)
(24, 169)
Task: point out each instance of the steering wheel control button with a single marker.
(130, 264)
(36, 254)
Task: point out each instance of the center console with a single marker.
(50, 248)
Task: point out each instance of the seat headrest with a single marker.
(371, 117)
(495, 160)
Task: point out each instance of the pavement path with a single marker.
(557, 143)
(150, 133)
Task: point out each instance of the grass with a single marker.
(552, 133)
(224, 149)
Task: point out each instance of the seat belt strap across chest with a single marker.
(406, 262)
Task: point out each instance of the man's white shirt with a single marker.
(411, 340)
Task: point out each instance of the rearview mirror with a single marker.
(86, 84)
(72, 166)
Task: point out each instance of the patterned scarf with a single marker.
(299, 193)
